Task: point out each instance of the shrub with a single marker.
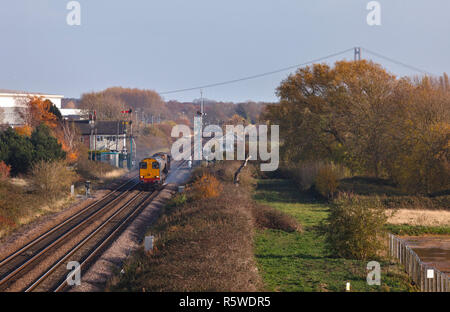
(4, 171)
(93, 170)
(355, 227)
(270, 218)
(16, 151)
(327, 181)
(206, 186)
(52, 178)
(46, 147)
(304, 174)
(225, 170)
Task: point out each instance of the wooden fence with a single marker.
(416, 269)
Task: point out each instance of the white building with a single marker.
(10, 100)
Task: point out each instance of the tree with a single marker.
(357, 114)
(16, 151)
(46, 147)
(35, 110)
(109, 103)
(71, 138)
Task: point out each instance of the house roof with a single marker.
(103, 127)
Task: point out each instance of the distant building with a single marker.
(102, 135)
(106, 140)
(11, 100)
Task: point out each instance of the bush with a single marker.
(93, 170)
(16, 151)
(304, 174)
(355, 227)
(327, 181)
(21, 151)
(46, 147)
(206, 186)
(225, 170)
(52, 178)
(4, 171)
(270, 218)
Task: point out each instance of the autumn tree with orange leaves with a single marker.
(359, 115)
(35, 111)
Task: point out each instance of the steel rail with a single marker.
(42, 236)
(142, 205)
(104, 240)
(62, 237)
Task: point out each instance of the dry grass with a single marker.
(19, 206)
(204, 245)
(420, 217)
(94, 170)
(115, 173)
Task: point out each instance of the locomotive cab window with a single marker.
(155, 165)
(143, 165)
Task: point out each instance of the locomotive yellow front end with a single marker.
(153, 170)
(150, 172)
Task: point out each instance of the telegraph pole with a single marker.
(357, 54)
(201, 102)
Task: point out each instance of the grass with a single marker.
(19, 206)
(391, 195)
(300, 261)
(416, 230)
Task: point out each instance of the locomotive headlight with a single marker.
(142, 177)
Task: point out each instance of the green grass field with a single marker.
(417, 230)
(300, 261)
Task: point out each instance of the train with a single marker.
(153, 170)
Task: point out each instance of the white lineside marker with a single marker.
(347, 286)
(72, 190)
(430, 273)
(148, 243)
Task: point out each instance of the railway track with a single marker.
(54, 277)
(120, 206)
(18, 263)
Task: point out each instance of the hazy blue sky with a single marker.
(171, 44)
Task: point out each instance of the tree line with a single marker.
(148, 106)
(359, 115)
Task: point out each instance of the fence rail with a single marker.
(416, 268)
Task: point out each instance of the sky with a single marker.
(167, 45)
